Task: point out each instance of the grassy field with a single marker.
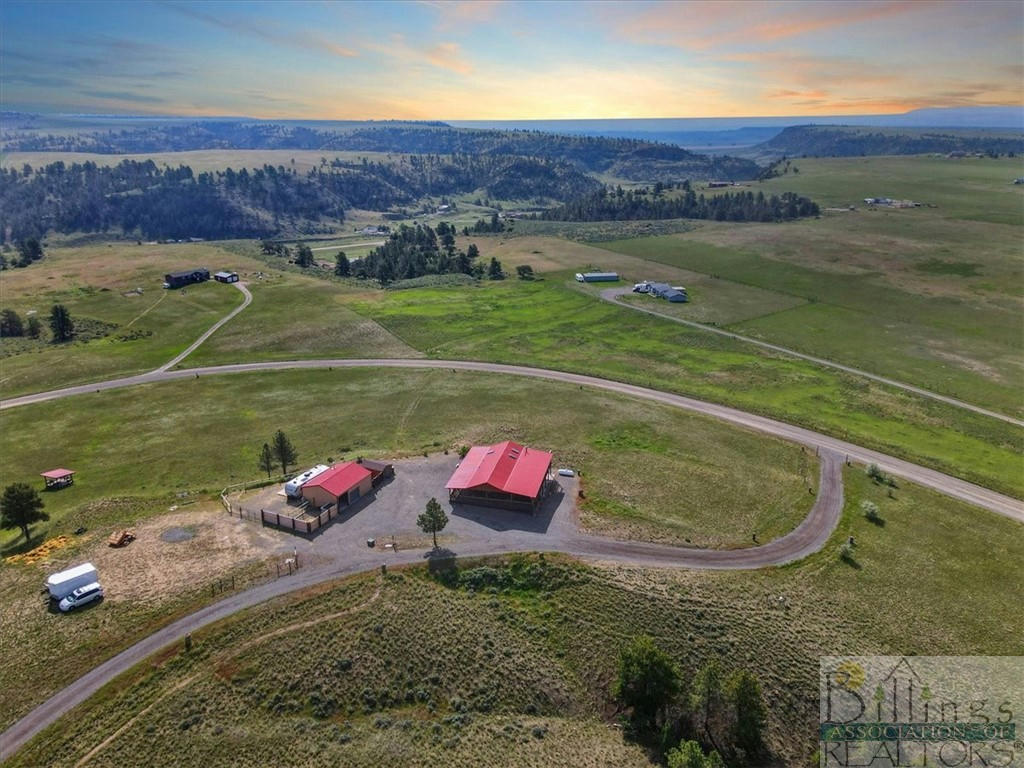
(931, 296)
(99, 285)
(695, 468)
(379, 669)
(551, 323)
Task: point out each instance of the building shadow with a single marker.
(498, 519)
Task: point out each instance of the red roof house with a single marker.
(341, 484)
(504, 475)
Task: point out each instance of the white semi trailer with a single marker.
(294, 486)
(62, 584)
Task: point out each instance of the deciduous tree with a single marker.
(744, 693)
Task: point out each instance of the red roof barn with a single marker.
(504, 475)
(341, 484)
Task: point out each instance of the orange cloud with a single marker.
(448, 56)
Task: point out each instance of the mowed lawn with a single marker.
(650, 472)
(552, 324)
(99, 286)
(381, 665)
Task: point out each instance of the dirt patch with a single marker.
(180, 548)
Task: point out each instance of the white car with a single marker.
(81, 596)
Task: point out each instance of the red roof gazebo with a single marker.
(58, 478)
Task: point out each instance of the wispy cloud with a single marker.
(269, 31)
(442, 55)
(125, 96)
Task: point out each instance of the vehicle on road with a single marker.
(81, 596)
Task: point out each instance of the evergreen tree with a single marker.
(706, 696)
(20, 506)
(10, 323)
(35, 328)
(283, 450)
(304, 256)
(744, 693)
(267, 459)
(61, 324)
(342, 268)
(647, 682)
(494, 271)
(432, 519)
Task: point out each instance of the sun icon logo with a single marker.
(849, 675)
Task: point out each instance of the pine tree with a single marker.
(342, 268)
(283, 450)
(61, 324)
(432, 519)
(267, 459)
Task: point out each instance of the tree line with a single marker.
(142, 199)
(630, 158)
(62, 326)
(645, 203)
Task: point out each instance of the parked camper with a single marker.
(643, 287)
(81, 596)
(62, 584)
(293, 488)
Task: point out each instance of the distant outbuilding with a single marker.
(187, 277)
(226, 277)
(56, 479)
(597, 277)
(507, 475)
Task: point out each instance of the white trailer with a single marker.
(62, 584)
(293, 488)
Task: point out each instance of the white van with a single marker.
(81, 596)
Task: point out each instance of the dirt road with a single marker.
(613, 295)
(930, 478)
(212, 330)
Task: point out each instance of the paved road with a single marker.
(807, 538)
(952, 486)
(212, 329)
(613, 295)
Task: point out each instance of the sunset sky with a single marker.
(509, 60)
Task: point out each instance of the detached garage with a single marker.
(507, 475)
(340, 485)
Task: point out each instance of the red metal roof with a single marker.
(508, 467)
(57, 474)
(339, 479)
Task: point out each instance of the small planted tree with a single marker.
(432, 519)
(20, 507)
(648, 681)
(284, 451)
(267, 459)
(61, 324)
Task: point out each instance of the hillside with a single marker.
(853, 141)
(626, 158)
